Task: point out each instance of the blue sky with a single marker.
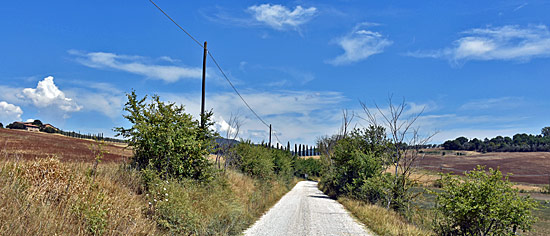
(478, 69)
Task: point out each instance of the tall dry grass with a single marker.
(381, 220)
(49, 197)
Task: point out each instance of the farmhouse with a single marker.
(29, 126)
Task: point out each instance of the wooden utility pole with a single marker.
(203, 120)
(270, 136)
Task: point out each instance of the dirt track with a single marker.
(305, 210)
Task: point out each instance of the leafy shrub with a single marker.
(482, 204)
(166, 139)
(356, 158)
(255, 161)
(311, 167)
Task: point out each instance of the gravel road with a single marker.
(305, 210)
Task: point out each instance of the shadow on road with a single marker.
(320, 196)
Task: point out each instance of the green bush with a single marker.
(252, 160)
(482, 204)
(166, 139)
(356, 158)
(311, 167)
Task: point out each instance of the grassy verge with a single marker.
(380, 220)
(48, 197)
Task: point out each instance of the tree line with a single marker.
(517, 143)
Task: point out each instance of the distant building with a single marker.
(29, 126)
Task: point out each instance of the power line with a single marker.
(173, 21)
(218, 66)
(235, 89)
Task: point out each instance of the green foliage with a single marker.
(311, 167)
(16, 125)
(482, 204)
(37, 123)
(1, 125)
(166, 139)
(253, 160)
(356, 158)
(545, 132)
(283, 163)
(94, 214)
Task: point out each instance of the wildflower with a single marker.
(149, 203)
(166, 199)
(166, 194)
(164, 189)
(155, 200)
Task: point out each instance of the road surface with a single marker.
(305, 210)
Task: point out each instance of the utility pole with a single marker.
(203, 85)
(269, 136)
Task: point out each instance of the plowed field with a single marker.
(30, 145)
(526, 167)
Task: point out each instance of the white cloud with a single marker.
(136, 65)
(280, 17)
(359, 45)
(9, 112)
(510, 42)
(48, 94)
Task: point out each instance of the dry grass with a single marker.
(381, 220)
(47, 197)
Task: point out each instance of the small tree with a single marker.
(404, 152)
(166, 139)
(545, 131)
(482, 204)
(1, 125)
(37, 123)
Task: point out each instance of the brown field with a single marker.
(21, 144)
(525, 167)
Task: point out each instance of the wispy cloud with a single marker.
(280, 17)
(360, 44)
(9, 112)
(137, 65)
(493, 103)
(510, 42)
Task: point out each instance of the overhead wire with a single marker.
(219, 68)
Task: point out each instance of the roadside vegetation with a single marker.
(369, 171)
(168, 187)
